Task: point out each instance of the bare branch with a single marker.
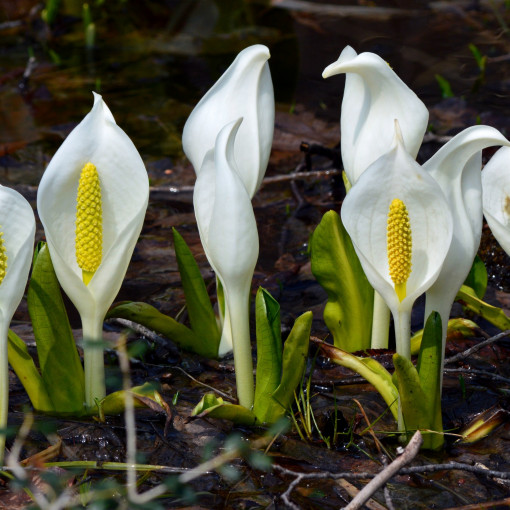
(388, 472)
(465, 354)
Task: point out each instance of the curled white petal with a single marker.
(374, 96)
(244, 90)
(496, 196)
(365, 215)
(124, 194)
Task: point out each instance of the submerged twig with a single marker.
(482, 373)
(475, 348)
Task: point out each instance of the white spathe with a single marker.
(456, 167)
(496, 196)
(228, 232)
(124, 195)
(374, 97)
(396, 175)
(17, 224)
(244, 90)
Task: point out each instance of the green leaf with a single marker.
(24, 366)
(215, 407)
(467, 296)
(151, 318)
(429, 369)
(144, 396)
(269, 353)
(200, 311)
(415, 403)
(457, 328)
(59, 361)
(370, 369)
(295, 353)
(444, 85)
(477, 277)
(412, 398)
(335, 265)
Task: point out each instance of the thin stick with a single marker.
(391, 470)
(482, 373)
(465, 354)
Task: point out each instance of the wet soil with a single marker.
(152, 62)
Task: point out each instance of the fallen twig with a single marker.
(482, 373)
(388, 472)
(468, 352)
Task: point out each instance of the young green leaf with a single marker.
(335, 265)
(59, 361)
(143, 396)
(295, 352)
(429, 370)
(457, 328)
(216, 407)
(477, 277)
(370, 369)
(24, 366)
(467, 297)
(269, 353)
(200, 311)
(412, 396)
(415, 403)
(151, 318)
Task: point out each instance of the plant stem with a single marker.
(402, 322)
(240, 324)
(380, 323)
(93, 359)
(4, 387)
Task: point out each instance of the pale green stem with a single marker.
(4, 387)
(237, 303)
(402, 321)
(93, 360)
(380, 323)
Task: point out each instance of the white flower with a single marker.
(17, 231)
(421, 229)
(124, 191)
(374, 97)
(244, 90)
(228, 232)
(456, 167)
(496, 196)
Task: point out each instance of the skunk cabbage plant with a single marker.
(17, 231)
(373, 97)
(245, 91)
(228, 232)
(92, 201)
